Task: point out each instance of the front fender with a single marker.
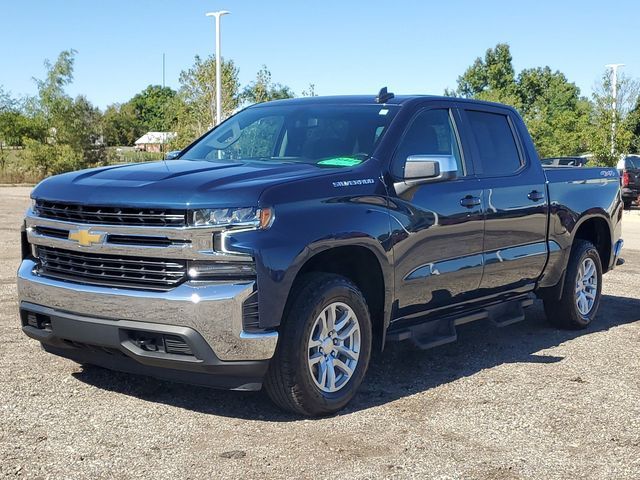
(303, 229)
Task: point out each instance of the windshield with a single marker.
(326, 135)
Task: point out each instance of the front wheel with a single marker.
(324, 347)
(580, 298)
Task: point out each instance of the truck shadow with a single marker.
(402, 370)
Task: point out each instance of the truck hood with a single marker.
(174, 184)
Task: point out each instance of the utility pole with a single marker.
(163, 106)
(217, 16)
(614, 104)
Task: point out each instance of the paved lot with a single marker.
(525, 401)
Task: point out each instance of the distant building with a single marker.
(154, 141)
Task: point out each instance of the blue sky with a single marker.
(343, 46)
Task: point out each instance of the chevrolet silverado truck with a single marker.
(286, 244)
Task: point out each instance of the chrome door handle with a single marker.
(470, 201)
(535, 195)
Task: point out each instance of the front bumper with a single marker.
(207, 316)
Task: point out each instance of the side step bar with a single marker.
(434, 333)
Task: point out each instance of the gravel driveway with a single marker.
(524, 401)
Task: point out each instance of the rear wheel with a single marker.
(627, 204)
(324, 347)
(580, 298)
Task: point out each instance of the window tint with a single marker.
(496, 145)
(430, 133)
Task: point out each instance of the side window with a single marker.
(431, 133)
(496, 145)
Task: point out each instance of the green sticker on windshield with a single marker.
(340, 162)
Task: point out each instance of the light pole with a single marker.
(614, 104)
(217, 15)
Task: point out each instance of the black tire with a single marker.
(564, 313)
(289, 382)
(627, 204)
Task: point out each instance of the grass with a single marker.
(14, 169)
(118, 155)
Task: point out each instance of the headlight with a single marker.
(33, 205)
(232, 217)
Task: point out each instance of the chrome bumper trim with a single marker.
(213, 309)
(617, 250)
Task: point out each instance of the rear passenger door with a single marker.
(514, 190)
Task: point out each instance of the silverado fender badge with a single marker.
(85, 237)
(350, 183)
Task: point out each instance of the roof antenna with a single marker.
(384, 95)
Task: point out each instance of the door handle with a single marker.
(470, 201)
(535, 195)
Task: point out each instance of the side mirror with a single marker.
(172, 154)
(421, 169)
(430, 168)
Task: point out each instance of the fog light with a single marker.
(221, 270)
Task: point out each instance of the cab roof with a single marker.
(399, 100)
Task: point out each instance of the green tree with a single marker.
(555, 113)
(634, 126)
(490, 78)
(310, 91)
(264, 89)
(196, 105)
(121, 125)
(154, 108)
(71, 126)
(603, 116)
(551, 106)
(14, 124)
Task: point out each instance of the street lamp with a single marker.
(614, 104)
(217, 15)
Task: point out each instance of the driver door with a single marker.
(438, 225)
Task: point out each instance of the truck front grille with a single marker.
(111, 215)
(110, 270)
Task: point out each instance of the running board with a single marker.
(434, 333)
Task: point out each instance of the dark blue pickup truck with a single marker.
(287, 243)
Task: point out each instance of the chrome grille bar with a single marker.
(111, 215)
(110, 269)
(164, 242)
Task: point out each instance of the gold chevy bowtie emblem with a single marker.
(85, 238)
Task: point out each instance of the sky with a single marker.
(343, 47)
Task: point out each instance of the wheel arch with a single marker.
(365, 267)
(597, 230)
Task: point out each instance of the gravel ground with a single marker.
(524, 401)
